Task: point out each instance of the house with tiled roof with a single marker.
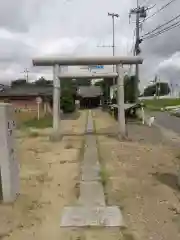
(25, 96)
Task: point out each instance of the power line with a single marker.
(163, 30)
(149, 8)
(166, 23)
(172, 26)
(159, 10)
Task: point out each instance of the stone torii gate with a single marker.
(56, 63)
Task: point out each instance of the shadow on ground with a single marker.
(168, 179)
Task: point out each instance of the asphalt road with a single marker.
(167, 121)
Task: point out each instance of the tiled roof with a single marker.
(27, 91)
(89, 91)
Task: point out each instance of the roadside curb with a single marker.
(167, 133)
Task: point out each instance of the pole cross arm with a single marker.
(79, 61)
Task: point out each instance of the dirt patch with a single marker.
(49, 173)
(49, 181)
(142, 180)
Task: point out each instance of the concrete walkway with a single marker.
(91, 209)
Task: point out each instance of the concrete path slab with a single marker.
(90, 125)
(92, 216)
(93, 211)
(91, 194)
(90, 140)
(90, 173)
(91, 156)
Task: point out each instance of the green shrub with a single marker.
(67, 101)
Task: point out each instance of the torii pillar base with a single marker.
(55, 137)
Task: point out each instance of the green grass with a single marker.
(104, 176)
(44, 122)
(157, 104)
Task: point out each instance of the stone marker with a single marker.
(9, 169)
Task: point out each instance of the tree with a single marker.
(18, 82)
(105, 86)
(69, 84)
(66, 83)
(129, 89)
(67, 101)
(43, 82)
(159, 88)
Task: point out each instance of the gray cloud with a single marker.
(11, 15)
(76, 27)
(19, 15)
(14, 51)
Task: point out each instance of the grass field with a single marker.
(22, 117)
(29, 119)
(157, 104)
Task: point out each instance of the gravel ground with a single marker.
(49, 175)
(142, 178)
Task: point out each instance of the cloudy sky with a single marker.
(30, 28)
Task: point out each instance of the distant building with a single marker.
(25, 97)
(89, 96)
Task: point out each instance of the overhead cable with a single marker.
(159, 10)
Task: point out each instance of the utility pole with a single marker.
(137, 51)
(26, 71)
(113, 15)
(140, 13)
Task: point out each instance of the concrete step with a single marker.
(91, 194)
(92, 216)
